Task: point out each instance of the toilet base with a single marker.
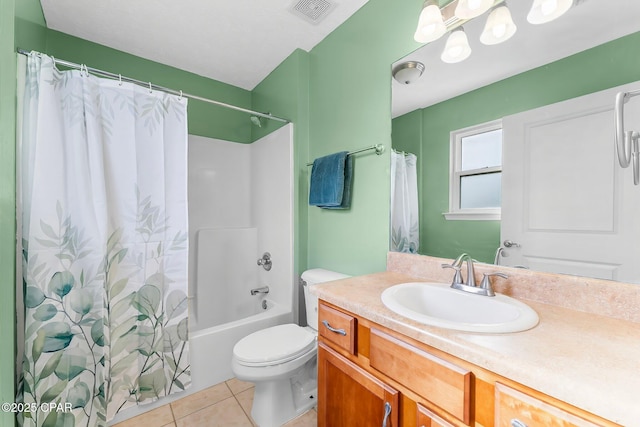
(281, 396)
(274, 403)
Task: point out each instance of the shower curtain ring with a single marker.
(180, 98)
(150, 89)
(119, 79)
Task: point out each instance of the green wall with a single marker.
(7, 206)
(349, 108)
(611, 64)
(339, 97)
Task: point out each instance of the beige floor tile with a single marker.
(308, 419)
(156, 417)
(238, 386)
(169, 425)
(246, 400)
(200, 400)
(226, 413)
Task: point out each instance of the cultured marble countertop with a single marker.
(587, 360)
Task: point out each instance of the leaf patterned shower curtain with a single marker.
(405, 224)
(104, 231)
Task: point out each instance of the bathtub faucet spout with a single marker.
(262, 290)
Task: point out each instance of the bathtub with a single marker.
(211, 348)
(210, 353)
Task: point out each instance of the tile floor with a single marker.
(226, 404)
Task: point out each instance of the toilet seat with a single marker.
(275, 345)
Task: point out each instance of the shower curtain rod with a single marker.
(156, 87)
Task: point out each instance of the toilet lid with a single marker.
(274, 345)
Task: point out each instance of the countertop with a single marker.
(587, 360)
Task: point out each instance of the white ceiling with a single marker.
(238, 42)
(588, 24)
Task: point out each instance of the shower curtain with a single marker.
(104, 241)
(405, 228)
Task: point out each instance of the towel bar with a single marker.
(378, 147)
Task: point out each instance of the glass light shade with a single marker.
(499, 26)
(543, 11)
(457, 48)
(430, 25)
(469, 9)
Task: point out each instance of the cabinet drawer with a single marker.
(517, 409)
(436, 380)
(337, 327)
(426, 418)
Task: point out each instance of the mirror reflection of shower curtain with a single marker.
(405, 224)
(103, 171)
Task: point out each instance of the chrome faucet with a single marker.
(471, 273)
(262, 290)
(485, 287)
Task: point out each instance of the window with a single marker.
(476, 172)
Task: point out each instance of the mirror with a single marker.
(581, 52)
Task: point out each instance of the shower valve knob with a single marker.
(265, 261)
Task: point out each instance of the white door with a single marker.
(565, 200)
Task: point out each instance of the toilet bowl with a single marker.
(282, 362)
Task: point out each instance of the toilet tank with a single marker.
(311, 278)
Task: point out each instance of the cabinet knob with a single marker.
(517, 423)
(387, 412)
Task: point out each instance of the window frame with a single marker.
(455, 175)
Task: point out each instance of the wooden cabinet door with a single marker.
(348, 396)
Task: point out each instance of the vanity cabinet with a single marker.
(365, 369)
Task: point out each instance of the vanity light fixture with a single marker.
(469, 9)
(435, 21)
(457, 48)
(499, 26)
(430, 24)
(543, 11)
(408, 72)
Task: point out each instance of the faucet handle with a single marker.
(486, 283)
(457, 277)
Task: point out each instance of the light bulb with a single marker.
(548, 7)
(474, 4)
(454, 51)
(499, 31)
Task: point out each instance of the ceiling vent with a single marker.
(313, 11)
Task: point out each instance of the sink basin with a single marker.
(437, 304)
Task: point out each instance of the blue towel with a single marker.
(348, 185)
(327, 180)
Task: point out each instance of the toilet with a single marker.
(282, 361)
